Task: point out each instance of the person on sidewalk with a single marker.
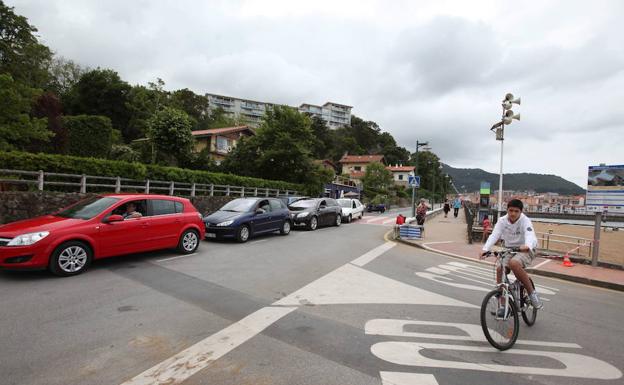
(516, 230)
(421, 212)
(456, 206)
(487, 229)
(447, 207)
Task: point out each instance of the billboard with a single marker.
(605, 189)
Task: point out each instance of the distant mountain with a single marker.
(469, 180)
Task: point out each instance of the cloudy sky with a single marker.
(423, 70)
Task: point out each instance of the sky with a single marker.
(433, 71)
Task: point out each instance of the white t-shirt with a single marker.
(520, 233)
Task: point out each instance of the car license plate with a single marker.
(211, 235)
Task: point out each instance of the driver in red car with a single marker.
(131, 212)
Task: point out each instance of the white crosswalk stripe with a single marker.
(471, 277)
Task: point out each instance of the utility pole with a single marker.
(506, 119)
(418, 145)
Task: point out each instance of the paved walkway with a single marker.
(449, 236)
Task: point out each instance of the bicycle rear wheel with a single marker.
(529, 313)
(500, 332)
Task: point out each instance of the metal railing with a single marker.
(92, 183)
(566, 244)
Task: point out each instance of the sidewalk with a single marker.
(449, 236)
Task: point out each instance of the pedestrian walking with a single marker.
(421, 212)
(447, 207)
(456, 206)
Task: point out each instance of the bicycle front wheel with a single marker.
(501, 332)
(529, 313)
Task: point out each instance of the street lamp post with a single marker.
(506, 119)
(418, 145)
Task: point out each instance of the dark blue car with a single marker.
(245, 217)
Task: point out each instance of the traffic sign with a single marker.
(414, 180)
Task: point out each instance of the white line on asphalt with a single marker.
(439, 242)
(183, 365)
(177, 257)
(388, 221)
(541, 264)
(374, 253)
(402, 378)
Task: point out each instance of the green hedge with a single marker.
(102, 167)
(89, 135)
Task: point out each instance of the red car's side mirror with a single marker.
(114, 218)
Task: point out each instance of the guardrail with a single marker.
(83, 183)
(575, 246)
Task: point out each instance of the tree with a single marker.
(49, 106)
(170, 131)
(279, 151)
(141, 103)
(21, 54)
(196, 106)
(376, 178)
(64, 74)
(102, 92)
(89, 135)
(219, 119)
(17, 128)
(321, 148)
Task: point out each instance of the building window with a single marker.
(223, 144)
(400, 176)
(357, 168)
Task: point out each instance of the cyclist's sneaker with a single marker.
(535, 300)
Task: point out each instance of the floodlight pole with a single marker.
(500, 175)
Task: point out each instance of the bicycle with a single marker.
(508, 296)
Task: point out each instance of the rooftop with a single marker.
(362, 159)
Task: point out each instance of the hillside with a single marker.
(469, 179)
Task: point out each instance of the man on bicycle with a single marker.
(516, 230)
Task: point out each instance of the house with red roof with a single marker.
(220, 141)
(355, 165)
(400, 173)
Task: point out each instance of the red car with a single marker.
(104, 226)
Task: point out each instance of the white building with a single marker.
(336, 115)
(251, 111)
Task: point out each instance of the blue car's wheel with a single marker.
(243, 233)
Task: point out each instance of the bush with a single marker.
(89, 135)
(102, 167)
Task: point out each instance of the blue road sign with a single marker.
(414, 180)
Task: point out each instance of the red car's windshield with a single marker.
(87, 208)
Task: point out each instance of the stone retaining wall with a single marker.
(17, 205)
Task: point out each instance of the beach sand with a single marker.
(611, 242)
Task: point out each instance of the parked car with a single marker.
(291, 199)
(99, 227)
(315, 212)
(243, 218)
(351, 209)
(381, 207)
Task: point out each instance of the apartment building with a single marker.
(251, 111)
(336, 115)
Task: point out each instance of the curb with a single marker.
(582, 280)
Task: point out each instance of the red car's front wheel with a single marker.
(70, 258)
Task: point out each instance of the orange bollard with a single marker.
(566, 261)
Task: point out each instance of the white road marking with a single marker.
(400, 378)
(183, 365)
(470, 332)
(389, 221)
(574, 365)
(541, 264)
(439, 242)
(374, 253)
(350, 284)
(447, 281)
(176, 257)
